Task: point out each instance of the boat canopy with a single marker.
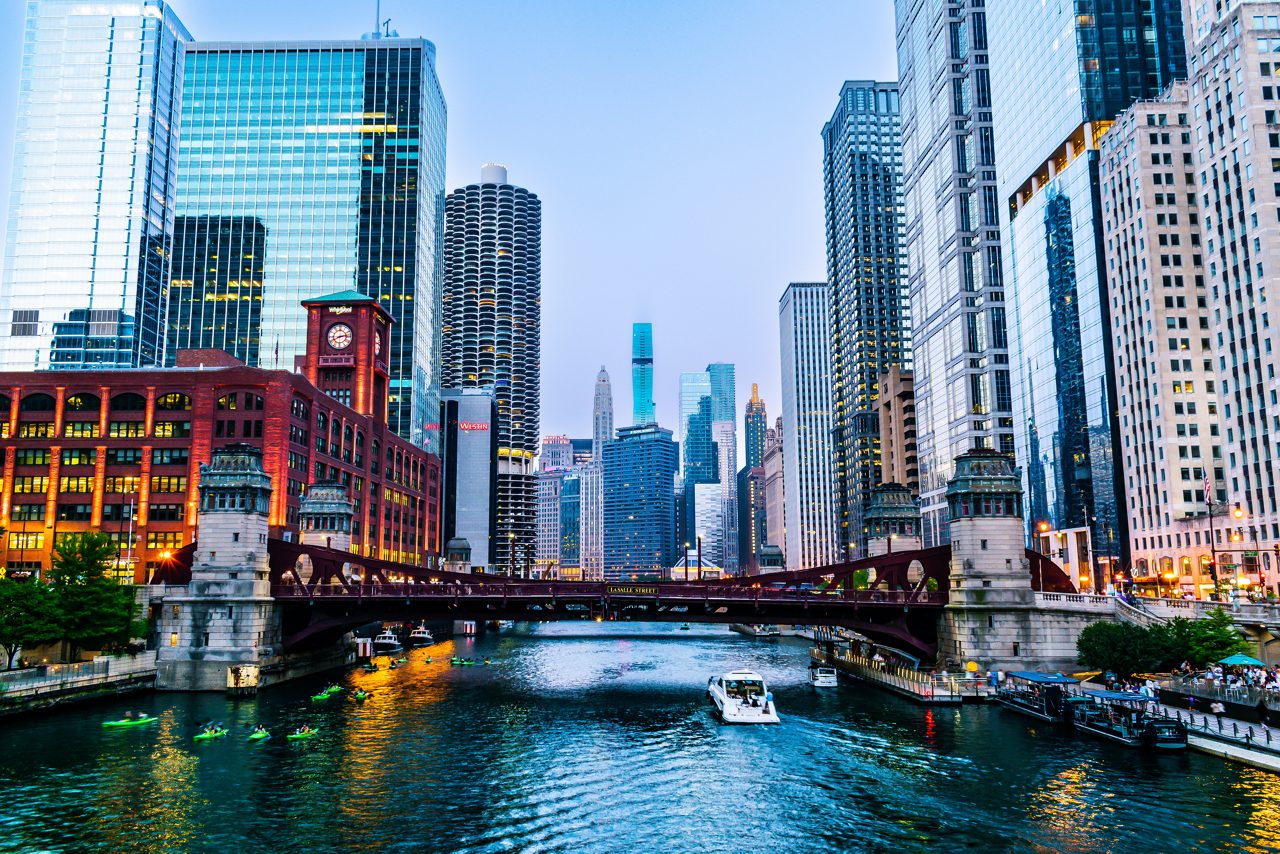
(1044, 678)
(1118, 696)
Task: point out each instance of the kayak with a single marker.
(205, 736)
(130, 722)
(370, 668)
(322, 696)
(294, 736)
(402, 661)
(428, 659)
(333, 689)
(361, 696)
(259, 735)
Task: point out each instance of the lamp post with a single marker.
(511, 554)
(1213, 540)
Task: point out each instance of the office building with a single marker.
(128, 445)
(1058, 80)
(557, 453)
(725, 436)
(331, 152)
(754, 425)
(571, 526)
(601, 414)
(591, 522)
(694, 386)
(639, 502)
(469, 490)
(866, 271)
(896, 410)
(642, 407)
(810, 521)
(550, 485)
(582, 451)
(724, 399)
(707, 531)
(955, 280)
(774, 494)
(753, 529)
(491, 335)
(91, 204)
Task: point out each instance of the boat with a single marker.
(393, 666)
(128, 722)
(210, 734)
(506, 624)
(420, 637)
(320, 698)
(296, 736)
(369, 667)
(1042, 696)
(333, 689)
(1121, 717)
(386, 641)
(742, 698)
(822, 677)
(756, 630)
(259, 735)
(684, 627)
(361, 695)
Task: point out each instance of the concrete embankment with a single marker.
(58, 684)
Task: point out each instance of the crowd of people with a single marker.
(1256, 676)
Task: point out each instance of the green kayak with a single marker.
(321, 697)
(402, 661)
(361, 696)
(259, 735)
(130, 722)
(333, 689)
(295, 736)
(205, 736)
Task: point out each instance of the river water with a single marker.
(586, 737)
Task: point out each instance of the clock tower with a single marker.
(348, 336)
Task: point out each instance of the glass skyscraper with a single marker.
(639, 502)
(642, 408)
(724, 399)
(866, 269)
(1060, 73)
(92, 201)
(309, 168)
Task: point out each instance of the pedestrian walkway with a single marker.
(1251, 743)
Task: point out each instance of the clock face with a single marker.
(339, 336)
(377, 343)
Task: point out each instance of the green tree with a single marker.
(1215, 637)
(1172, 641)
(861, 579)
(1120, 647)
(96, 611)
(29, 616)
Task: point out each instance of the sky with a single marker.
(674, 144)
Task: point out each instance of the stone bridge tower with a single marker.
(324, 516)
(225, 617)
(893, 520)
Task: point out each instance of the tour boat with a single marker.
(1121, 717)
(386, 642)
(742, 698)
(822, 677)
(1039, 695)
(756, 630)
(421, 637)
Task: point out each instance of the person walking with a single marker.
(1218, 711)
(1264, 713)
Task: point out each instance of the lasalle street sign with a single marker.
(632, 589)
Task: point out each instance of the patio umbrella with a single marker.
(1240, 660)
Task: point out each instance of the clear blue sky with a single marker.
(674, 143)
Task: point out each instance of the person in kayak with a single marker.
(260, 728)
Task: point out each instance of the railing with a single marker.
(1076, 601)
(929, 686)
(1249, 736)
(1213, 689)
(1241, 612)
(52, 673)
(1137, 615)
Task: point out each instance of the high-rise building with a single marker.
(557, 453)
(1059, 77)
(754, 425)
(491, 336)
(724, 399)
(897, 413)
(753, 530)
(811, 534)
(642, 408)
(591, 501)
(707, 532)
(333, 153)
(1165, 372)
(866, 270)
(571, 526)
(582, 451)
(694, 386)
(469, 484)
(959, 329)
(550, 486)
(639, 502)
(601, 414)
(91, 204)
(774, 495)
(725, 435)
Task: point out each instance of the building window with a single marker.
(75, 484)
(170, 457)
(127, 429)
(167, 512)
(124, 484)
(174, 402)
(30, 485)
(80, 430)
(164, 539)
(36, 430)
(172, 429)
(27, 513)
(31, 457)
(20, 540)
(168, 483)
(84, 512)
(79, 456)
(124, 456)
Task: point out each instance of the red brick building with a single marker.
(119, 451)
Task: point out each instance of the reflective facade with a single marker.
(724, 399)
(1060, 73)
(639, 502)
(866, 272)
(92, 200)
(754, 425)
(959, 334)
(642, 408)
(335, 152)
(216, 285)
(694, 385)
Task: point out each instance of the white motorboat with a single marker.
(822, 677)
(386, 641)
(742, 698)
(756, 630)
(421, 637)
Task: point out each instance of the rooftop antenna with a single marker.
(377, 18)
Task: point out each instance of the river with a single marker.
(587, 737)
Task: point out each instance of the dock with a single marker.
(1235, 740)
(933, 689)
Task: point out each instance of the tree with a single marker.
(861, 579)
(96, 611)
(1122, 648)
(1214, 637)
(29, 616)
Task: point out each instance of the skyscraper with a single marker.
(694, 386)
(333, 154)
(725, 435)
(724, 399)
(639, 502)
(753, 529)
(571, 526)
(866, 268)
(811, 535)
(601, 414)
(550, 485)
(775, 498)
(959, 330)
(91, 204)
(492, 324)
(1058, 80)
(557, 454)
(642, 408)
(754, 425)
(469, 480)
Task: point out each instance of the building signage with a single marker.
(631, 589)
(339, 309)
(472, 425)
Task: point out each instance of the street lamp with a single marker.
(511, 554)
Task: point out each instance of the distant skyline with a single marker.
(676, 149)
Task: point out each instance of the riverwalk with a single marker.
(934, 689)
(1230, 738)
(54, 684)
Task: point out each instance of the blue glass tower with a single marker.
(92, 201)
(642, 407)
(326, 162)
(639, 502)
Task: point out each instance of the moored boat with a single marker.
(822, 677)
(756, 630)
(742, 697)
(421, 636)
(1121, 717)
(386, 641)
(1038, 695)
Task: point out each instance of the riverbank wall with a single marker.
(59, 684)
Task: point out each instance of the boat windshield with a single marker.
(743, 687)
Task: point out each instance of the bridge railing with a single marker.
(933, 686)
(1194, 609)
